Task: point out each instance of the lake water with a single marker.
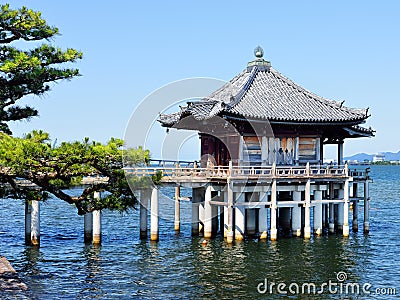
(180, 267)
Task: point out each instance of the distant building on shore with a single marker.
(379, 157)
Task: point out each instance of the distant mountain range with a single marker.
(364, 156)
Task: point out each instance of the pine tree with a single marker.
(28, 72)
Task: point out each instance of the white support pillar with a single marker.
(340, 217)
(96, 222)
(35, 223)
(296, 215)
(239, 217)
(318, 213)
(88, 227)
(307, 207)
(202, 215)
(355, 207)
(154, 215)
(207, 213)
(225, 227)
(331, 209)
(263, 217)
(144, 203)
(274, 229)
(177, 221)
(28, 222)
(195, 211)
(366, 206)
(346, 230)
(230, 225)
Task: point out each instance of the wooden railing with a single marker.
(224, 172)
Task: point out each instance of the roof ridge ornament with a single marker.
(259, 62)
(258, 52)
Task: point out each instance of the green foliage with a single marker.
(132, 157)
(25, 72)
(54, 169)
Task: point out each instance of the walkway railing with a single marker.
(223, 172)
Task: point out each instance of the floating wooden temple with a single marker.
(261, 169)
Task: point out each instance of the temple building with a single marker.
(262, 151)
(274, 120)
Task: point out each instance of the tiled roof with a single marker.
(261, 92)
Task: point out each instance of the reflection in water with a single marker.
(92, 285)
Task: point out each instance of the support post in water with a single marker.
(346, 230)
(88, 227)
(96, 222)
(366, 206)
(340, 212)
(35, 223)
(274, 229)
(154, 215)
(331, 209)
(208, 213)
(307, 217)
(318, 213)
(177, 208)
(28, 221)
(239, 216)
(263, 217)
(355, 207)
(229, 231)
(195, 211)
(296, 214)
(144, 201)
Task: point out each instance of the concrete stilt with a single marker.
(96, 226)
(28, 222)
(318, 213)
(230, 225)
(274, 229)
(296, 215)
(331, 217)
(96, 222)
(307, 207)
(239, 217)
(154, 215)
(346, 230)
(366, 206)
(355, 207)
(202, 215)
(340, 217)
(144, 203)
(207, 213)
(177, 221)
(88, 227)
(195, 212)
(226, 223)
(35, 223)
(263, 217)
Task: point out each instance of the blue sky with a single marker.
(342, 50)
